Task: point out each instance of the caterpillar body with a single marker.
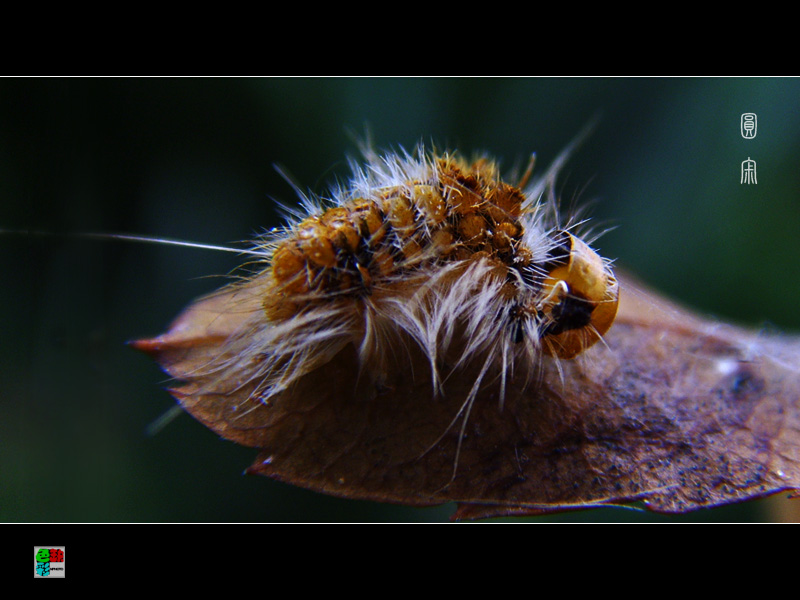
(418, 249)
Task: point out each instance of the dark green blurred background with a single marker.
(192, 159)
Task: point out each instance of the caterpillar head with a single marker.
(578, 300)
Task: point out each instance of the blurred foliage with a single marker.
(193, 159)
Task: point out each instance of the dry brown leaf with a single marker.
(677, 412)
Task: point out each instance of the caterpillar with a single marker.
(420, 250)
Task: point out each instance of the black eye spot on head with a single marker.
(573, 312)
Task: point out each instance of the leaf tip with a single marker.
(151, 347)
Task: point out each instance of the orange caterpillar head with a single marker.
(578, 301)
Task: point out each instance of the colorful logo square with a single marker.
(48, 561)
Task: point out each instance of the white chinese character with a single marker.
(749, 171)
(748, 125)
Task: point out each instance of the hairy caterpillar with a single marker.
(418, 251)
